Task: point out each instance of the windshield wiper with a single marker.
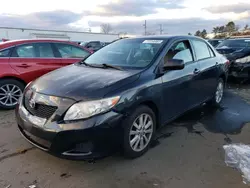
(111, 66)
(88, 65)
(104, 65)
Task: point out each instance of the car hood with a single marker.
(227, 50)
(234, 53)
(80, 82)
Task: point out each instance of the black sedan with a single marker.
(120, 95)
(238, 52)
(215, 42)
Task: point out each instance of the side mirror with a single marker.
(174, 64)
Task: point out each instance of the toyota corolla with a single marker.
(120, 95)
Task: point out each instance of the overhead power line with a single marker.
(145, 27)
(161, 30)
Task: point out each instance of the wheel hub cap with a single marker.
(9, 94)
(141, 132)
(219, 92)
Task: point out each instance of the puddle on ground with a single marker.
(229, 118)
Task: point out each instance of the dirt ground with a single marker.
(184, 159)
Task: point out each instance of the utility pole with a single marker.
(161, 29)
(145, 27)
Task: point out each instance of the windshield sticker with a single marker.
(152, 41)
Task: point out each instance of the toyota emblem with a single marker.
(32, 103)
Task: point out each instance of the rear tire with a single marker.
(139, 129)
(10, 91)
(219, 92)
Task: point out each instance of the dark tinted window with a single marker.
(94, 45)
(201, 49)
(70, 51)
(235, 43)
(5, 53)
(26, 50)
(180, 50)
(45, 50)
(214, 43)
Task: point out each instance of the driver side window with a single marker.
(180, 50)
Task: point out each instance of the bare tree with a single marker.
(246, 27)
(216, 30)
(106, 28)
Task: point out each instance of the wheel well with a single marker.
(14, 78)
(223, 76)
(153, 107)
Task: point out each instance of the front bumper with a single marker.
(84, 139)
(239, 70)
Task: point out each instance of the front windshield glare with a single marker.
(136, 53)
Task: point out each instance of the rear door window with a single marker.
(201, 49)
(70, 51)
(211, 52)
(45, 50)
(26, 50)
(5, 53)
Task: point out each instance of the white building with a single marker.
(23, 33)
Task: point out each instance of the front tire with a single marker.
(139, 129)
(10, 92)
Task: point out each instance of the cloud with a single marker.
(170, 26)
(59, 17)
(134, 7)
(236, 8)
(49, 19)
(129, 15)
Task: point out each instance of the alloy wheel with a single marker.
(219, 92)
(141, 132)
(10, 94)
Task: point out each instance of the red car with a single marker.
(22, 61)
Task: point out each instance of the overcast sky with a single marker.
(176, 16)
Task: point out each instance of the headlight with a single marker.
(84, 110)
(243, 60)
(28, 84)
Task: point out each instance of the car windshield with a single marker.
(235, 43)
(137, 53)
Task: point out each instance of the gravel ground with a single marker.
(184, 159)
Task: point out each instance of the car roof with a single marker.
(238, 39)
(215, 39)
(165, 37)
(21, 41)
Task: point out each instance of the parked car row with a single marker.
(215, 42)
(23, 61)
(94, 45)
(118, 96)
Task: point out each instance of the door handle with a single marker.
(24, 65)
(196, 71)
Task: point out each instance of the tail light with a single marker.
(227, 62)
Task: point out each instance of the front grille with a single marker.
(40, 110)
